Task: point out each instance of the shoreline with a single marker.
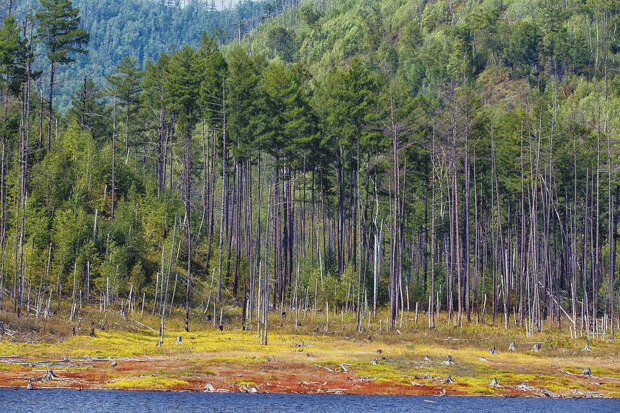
(477, 360)
(227, 375)
(436, 396)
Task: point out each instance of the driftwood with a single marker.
(525, 386)
(145, 326)
(548, 393)
(248, 389)
(335, 391)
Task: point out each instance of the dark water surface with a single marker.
(91, 401)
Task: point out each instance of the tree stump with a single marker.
(49, 376)
(512, 346)
(495, 384)
(179, 340)
(448, 380)
(448, 361)
(493, 350)
(208, 388)
(536, 347)
(587, 372)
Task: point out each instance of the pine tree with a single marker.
(59, 31)
(12, 58)
(183, 79)
(127, 83)
(89, 110)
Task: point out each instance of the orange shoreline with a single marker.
(265, 377)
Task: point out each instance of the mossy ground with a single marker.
(312, 360)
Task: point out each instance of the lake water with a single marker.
(93, 401)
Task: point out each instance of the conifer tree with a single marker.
(12, 58)
(127, 83)
(59, 31)
(183, 78)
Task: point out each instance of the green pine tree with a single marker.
(59, 31)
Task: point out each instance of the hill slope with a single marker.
(141, 29)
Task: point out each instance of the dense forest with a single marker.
(459, 156)
(140, 29)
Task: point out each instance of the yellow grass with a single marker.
(145, 383)
(557, 367)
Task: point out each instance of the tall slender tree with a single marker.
(59, 30)
(126, 80)
(183, 78)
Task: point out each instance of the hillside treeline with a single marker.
(459, 156)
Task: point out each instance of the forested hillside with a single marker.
(462, 156)
(142, 30)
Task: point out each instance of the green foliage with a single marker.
(59, 30)
(243, 96)
(142, 30)
(183, 76)
(523, 46)
(282, 43)
(311, 16)
(354, 97)
(348, 102)
(214, 71)
(13, 51)
(126, 82)
(88, 109)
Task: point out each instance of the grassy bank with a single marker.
(123, 354)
